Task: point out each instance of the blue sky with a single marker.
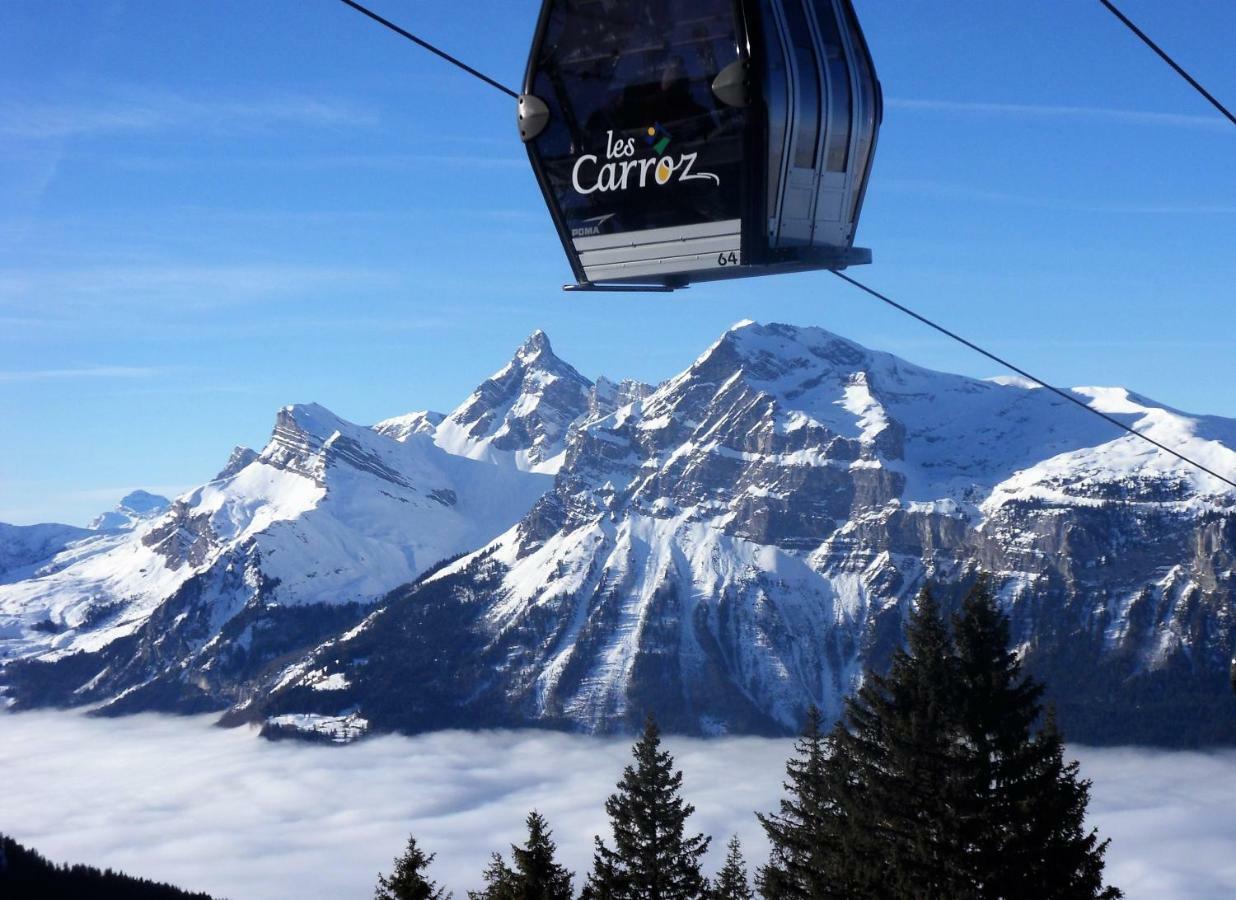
(209, 210)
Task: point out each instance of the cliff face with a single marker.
(739, 543)
(725, 549)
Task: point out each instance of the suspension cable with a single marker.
(432, 49)
(1146, 39)
(883, 297)
(1039, 381)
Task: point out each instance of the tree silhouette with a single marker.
(535, 874)
(936, 783)
(805, 832)
(731, 882)
(408, 881)
(653, 858)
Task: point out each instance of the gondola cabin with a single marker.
(695, 140)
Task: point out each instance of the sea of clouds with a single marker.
(222, 811)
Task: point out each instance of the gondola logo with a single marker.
(591, 227)
(658, 139)
(622, 171)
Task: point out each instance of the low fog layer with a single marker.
(224, 812)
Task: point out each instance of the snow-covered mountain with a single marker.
(738, 544)
(726, 549)
(26, 548)
(401, 428)
(328, 515)
(521, 415)
(131, 511)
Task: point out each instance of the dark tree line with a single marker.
(27, 875)
(943, 779)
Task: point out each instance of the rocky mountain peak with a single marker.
(312, 420)
(773, 351)
(134, 508)
(400, 428)
(522, 413)
(301, 431)
(240, 457)
(536, 345)
(536, 356)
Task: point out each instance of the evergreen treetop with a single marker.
(535, 875)
(408, 881)
(1025, 821)
(499, 881)
(936, 783)
(731, 882)
(653, 858)
(538, 874)
(894, 772)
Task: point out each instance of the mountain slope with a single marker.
(25, 874)
(27, 551)
(403, 427)
(25, 548)
(328, 518)
(741, 542)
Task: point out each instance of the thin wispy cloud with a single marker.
(146, 111)
(931, 187)
(396, 162)
(208, 285)
(149, 226)
(138, 324)
(87, 373)
(1048, 111)
(222, 811)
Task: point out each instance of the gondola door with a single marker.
(831, 226)
(793, 217)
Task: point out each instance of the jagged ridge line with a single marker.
(1039, 381)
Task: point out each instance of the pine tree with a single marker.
(936, 784)
(1025, 833)
(408, 881)
(803, 834)
(538, 876)
(731, 882)
(653, 858)
(895, 776)
(1056, 846)
(499, 881)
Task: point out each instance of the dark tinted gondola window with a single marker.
(637, 139)
(837, 144)
(777, 102)
(807, 103)
(868, 100)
